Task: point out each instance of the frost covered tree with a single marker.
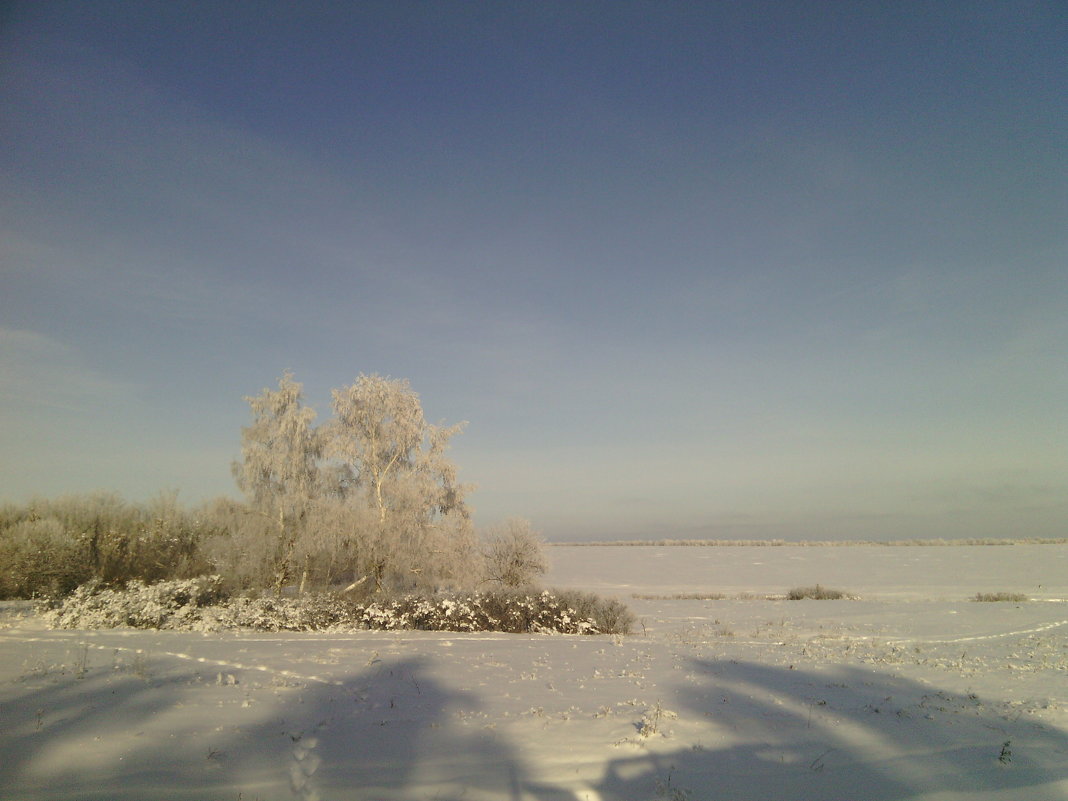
(397, 468)
(279, 471)
(513, 555)
(369, 497)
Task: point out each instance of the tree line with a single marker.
(366, 502)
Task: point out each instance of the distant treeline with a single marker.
(822, 543)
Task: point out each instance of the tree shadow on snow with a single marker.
(377, 733)
(408, 732)
(96, 733)
(388, 731)
(846, 733)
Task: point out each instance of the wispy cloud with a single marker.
(155, 203)
(37, 371)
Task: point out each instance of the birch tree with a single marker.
(279, 470)
(398, 468)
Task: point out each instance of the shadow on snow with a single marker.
(389, 730)
(843, 733)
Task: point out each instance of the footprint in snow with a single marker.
(302, 768)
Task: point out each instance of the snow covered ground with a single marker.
(912, 692)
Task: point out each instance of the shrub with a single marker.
(513, 555)
(47, 548)
(504, 610)
(314, 612)
(39, 558)
(1014, 597)
(608, 615)
(817, 593)
(164, 605)
(202, 605)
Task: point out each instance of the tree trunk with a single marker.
(304, 576)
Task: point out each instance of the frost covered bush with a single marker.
(165, 605)
(38, 558)
(316, 612)
(427, 614)
(508, 611)
(49, 547)
(513, 555)
(202, 605)
(608, 615)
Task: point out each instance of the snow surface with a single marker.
(912, 692)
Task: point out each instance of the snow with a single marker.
(911, 692)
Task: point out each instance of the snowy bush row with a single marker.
(201, 605)
(174, 604)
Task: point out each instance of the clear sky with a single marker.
(745, 269)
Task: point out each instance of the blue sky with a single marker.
(761, 270)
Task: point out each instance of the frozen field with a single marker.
(911, 692)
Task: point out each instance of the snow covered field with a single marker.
(911, 692)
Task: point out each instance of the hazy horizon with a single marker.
(768, 270)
